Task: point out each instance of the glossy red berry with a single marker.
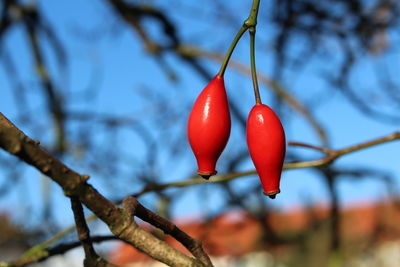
(209, 126)
(266, 143)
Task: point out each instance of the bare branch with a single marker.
(331, 155)
(55, 105)
(17, 143)
(56, 250)
(91, 257)
(193, 245)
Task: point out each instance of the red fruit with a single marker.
(266, 142)
(209, 126)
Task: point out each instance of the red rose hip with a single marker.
(209, 126)
(266, 143)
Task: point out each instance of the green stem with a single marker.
(228, 55)
(252, 32)
(251, 21)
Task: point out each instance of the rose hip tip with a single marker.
(206, 175)
(272, 195)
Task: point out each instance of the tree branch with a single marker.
(54, 100)
(133, 206)
(118, 220)
(330, 156)
(91, 257)
(56, 250)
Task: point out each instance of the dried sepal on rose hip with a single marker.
(267, 146)
(209, 126)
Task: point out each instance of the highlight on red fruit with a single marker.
(209, 126)
(267, 146)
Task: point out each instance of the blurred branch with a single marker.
(54, 100)
(359, 101)
(335, 216)
(6, 17)
(132, 14)
(18, 91)
(73, 184)
(56, 250)
(331, 156)
(44, 247)
(62, 248)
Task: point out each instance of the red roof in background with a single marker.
(237, 233)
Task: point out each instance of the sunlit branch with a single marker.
(91, 257)
(73, 184)
(134, 208)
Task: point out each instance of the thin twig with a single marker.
(319, 148)
(54, 101)
(91, 257)
(330, 156)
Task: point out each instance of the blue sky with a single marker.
(108, 57)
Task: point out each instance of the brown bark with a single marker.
(118, 220)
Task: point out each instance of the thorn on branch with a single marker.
(85, 177)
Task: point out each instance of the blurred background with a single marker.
(107, 86)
